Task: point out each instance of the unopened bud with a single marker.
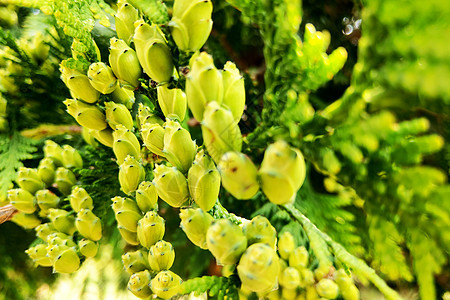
(166, 284)
(150, 43)
(226, 241)
(62, 220)
(88, 248)
(124, 62)
(161, 256)
(135, 261)
(125, 17)
(71, 158)
(233, 90)
(102, 78)
(172, 102)
(153, 137)
(171, 185)
(239, 175)
(150, 229)
(146, 196)
(64, 180)
(179, 149)
(46, 200)
(80, 199)
(129, 236)
(139, 284)
(327, 288)
(204, 181)
(29, 179)
(22, 200)
(259, 230)
(118, 114)
(127, 213)
(38, 254)
(258, 268)
(79, 85)
(204, 84)
(131, 173)
(195, 223)
(27, 221)
(282, 172)
(88, 224)
(86, 115)
(286, 245)
(46, 170)
(125, 143)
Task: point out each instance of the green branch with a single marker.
(342, 254)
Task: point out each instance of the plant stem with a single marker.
(342, 254)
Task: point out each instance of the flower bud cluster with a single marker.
(40, 196)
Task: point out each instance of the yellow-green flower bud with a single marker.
(62, 220)
(88, 137)
(226, 241)
(64, 180)
(71, 158)
(258, 268)
(102, 78)
(307, 277)
(166, 284)
(179, 148)
(204, 84)
(27, 221)
(89, 225)
(145, 115)
(79, 85)
(88, 248)
(233, 90)
(259, 230)
(220, 131)
(191, 23)
(80, 199)
(46, 200)
(127, 213)
(46, 170)
(125, 143)
(289, 278)
(195, 223)
(347, 288)
(129, 236)
(282, 172)
(104, 136)
(44, 230)
(22, 200)
(86, 115)
(124, 63)
(139, 284)
(299, 257)
(286, 245)
(29, 179)
(172, 102)
(204, 181)
(131, 173)
(171, 185)
(53, 151)
(150, 229)
(239, 175)
(135, 261)
(38, 254)
(150, 42)
(161, 256)
(61, 239)
(125, 17)
(327, 288)
(124, 95)
(66, 260)
(153, 137)
(118, 114)
(146, 196)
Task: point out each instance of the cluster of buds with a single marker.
(140, 225)
(296, 277)
(281, 174)
(40, 196)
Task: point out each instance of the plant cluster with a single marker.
(173, 140)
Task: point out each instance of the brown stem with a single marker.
(7, 212)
